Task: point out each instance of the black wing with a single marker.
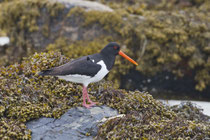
(82, 66)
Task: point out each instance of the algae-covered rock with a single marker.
(19, 20)
(138, 6)
(32, 24)
(166, 37)
(25, 96)
(190, 111)
(146, 118)
(88, 5)
(159, 40)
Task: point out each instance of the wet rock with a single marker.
(88, 5)
(4, 41)
(76, 123)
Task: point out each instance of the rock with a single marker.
(148, 35)
(88, 5)
(4, 41)
(76, 123)
(51, 21)
(66, 26)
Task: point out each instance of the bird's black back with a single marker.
(81, 66)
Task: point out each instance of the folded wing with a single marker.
(81, 66)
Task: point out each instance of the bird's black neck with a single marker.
(108, 60)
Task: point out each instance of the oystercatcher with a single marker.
(88, 69)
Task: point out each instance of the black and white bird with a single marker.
(88, 69)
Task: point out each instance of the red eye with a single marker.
(115, 47)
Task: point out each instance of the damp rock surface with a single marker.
(89, 5)
(76, 124)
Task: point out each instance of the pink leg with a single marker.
(85, 95)
(84, 91)
(91, 102)
(84, 98)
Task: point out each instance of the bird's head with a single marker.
(114, 49)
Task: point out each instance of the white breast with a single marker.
(85, 80)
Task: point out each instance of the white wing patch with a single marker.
(84, 79)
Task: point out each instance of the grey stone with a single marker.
(73, 125)
(66, 26)
(88, 5)
(4, 40)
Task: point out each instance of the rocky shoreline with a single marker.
(168, 37)
(172, 38)
(27, 96)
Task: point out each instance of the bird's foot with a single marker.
(89, 105)
(86, 105)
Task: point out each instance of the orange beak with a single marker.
(127, 57)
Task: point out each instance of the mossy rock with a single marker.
(25, 96)
(33, 24)
(22, 20)
(160, 40)
(191, 112)
(146, 118)
(138, 6)
(173, 43)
